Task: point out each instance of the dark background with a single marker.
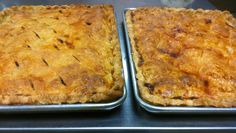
(225, 5)
(129, 116)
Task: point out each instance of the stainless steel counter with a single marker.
(125, 118)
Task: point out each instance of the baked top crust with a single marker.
(184, 57)
(59, 54)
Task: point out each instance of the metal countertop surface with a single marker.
(127, 117)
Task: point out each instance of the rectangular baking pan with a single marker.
(162, 109)
(69, 107)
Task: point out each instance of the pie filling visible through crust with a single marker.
(59, 54)
(184, 57)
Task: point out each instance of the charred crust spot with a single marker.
(150, 87)
(45, 62)
(62, 81)
(17, 64)
(60, 11)
(208, 21)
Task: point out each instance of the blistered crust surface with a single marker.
(59, 54)
(184, 57)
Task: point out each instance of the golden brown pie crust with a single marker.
(59, 54)
(184, 57)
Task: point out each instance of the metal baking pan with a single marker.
(63, 107)
(68, 107)
(162, 109)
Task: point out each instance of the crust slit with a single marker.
(37, 35)
(76, 58)
(62, 81)
(17, 64)
(45, 62)
(31, 84)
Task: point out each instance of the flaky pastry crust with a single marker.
(184, 57)
(59, 54)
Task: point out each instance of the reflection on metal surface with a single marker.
(2, 6)
(177, 3)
